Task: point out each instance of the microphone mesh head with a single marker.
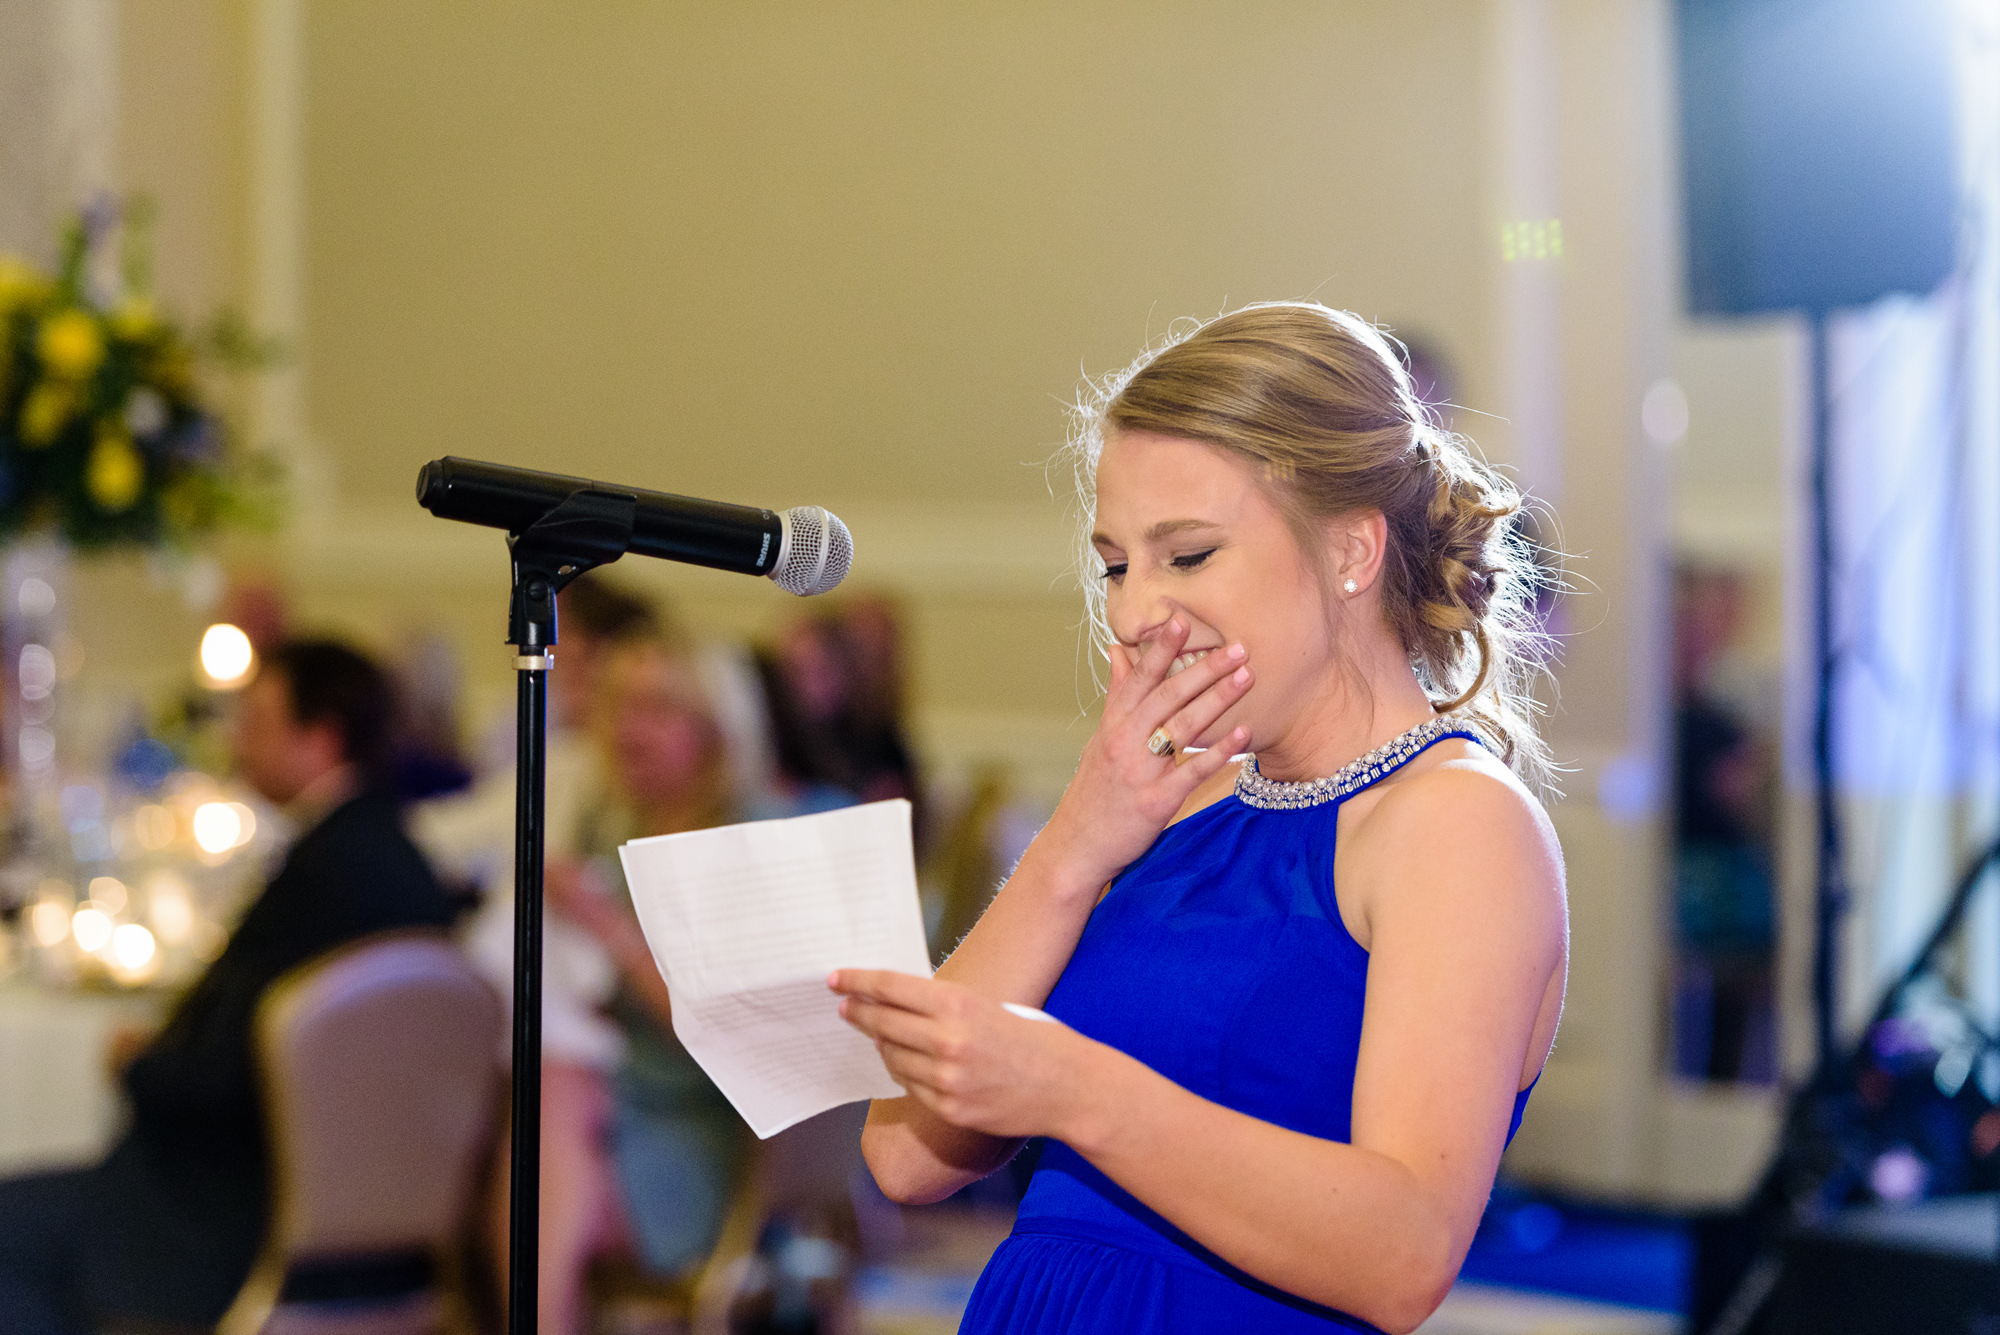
(817, 551)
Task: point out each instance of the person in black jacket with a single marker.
(165, 1229)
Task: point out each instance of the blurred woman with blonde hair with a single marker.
(647, 1164)
(1302, 994)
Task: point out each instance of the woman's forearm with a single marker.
(918, 1158)
(1021, 944)
(1115, 807)
(1348, 1227)
(1015, 952)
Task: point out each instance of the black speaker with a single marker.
(1817, 151)
(1927, 1269)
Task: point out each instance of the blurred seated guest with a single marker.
(594, 614)
(193, 722)
(807, 683)
(164, 1230)
(734, 687)
(1724, 907)
(833, 681)
(259, 608)
(470, 837)
(648, 1163)
(876, 736)
(429, 760)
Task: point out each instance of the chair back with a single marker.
(380, 1082)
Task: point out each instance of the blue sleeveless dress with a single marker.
(1220, 961)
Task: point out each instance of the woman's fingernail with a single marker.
(1242, 676)
(1237, 651)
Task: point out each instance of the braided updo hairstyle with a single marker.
(1317, 400)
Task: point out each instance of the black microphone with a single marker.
(804, 550)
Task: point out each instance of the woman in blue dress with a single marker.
(1301, 997)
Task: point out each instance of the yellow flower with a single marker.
(183, 504)
(115, 473)
(171, 369)
(70, 344)
(45, 413)
(19, 284)
(135, 318)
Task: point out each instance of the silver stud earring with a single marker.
(1351, 586)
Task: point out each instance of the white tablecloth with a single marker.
(58, 1103)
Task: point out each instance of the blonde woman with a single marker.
(646, 1161)
(1302, 999)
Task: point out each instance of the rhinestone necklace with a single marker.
(1276, 795)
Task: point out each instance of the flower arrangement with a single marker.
(103, 435)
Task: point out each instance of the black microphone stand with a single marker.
(589, 529)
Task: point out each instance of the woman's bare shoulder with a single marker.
(1463, 784)
(1458, 808)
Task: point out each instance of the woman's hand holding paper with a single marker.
(970, 1061)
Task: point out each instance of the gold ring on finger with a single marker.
(1159, 743)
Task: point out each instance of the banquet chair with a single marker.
(625, 1295)
(379, 1077)
(804, 1172)
(965, 866)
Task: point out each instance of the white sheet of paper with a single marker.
(745, 923)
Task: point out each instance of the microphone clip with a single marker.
(588, 529)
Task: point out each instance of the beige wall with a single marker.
(850, 257)
(183, 71)
(858, 254)
(846, 252)
(853, 255)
